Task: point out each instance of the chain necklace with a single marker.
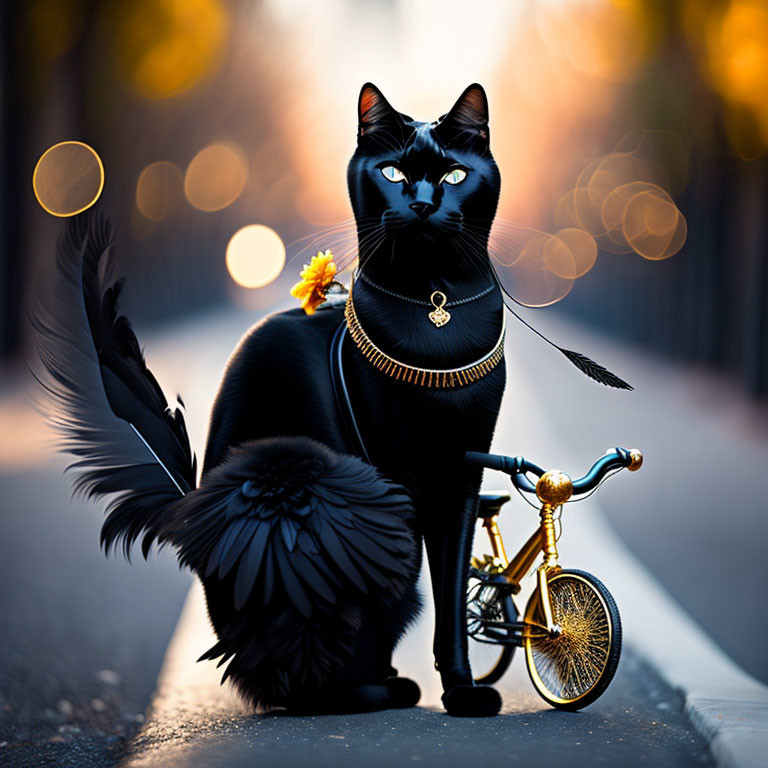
(439, 316)
(440, 378)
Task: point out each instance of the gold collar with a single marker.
(425, 377)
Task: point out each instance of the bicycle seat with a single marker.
(490, 502)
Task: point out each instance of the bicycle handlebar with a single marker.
(517, 467)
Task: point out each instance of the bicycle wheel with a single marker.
(489, 600)
(573, 669)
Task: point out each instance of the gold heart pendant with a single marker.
(438, 315)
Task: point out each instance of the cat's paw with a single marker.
(472, 701)
(403, 692)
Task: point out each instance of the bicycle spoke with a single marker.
(571, 663)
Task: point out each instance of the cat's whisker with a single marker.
(368, 240)
(373, 250)
(364, 242)
(350, 224)
(340, 231)
(344, 222)
(474, 260)
(507, 240)
(368, 256)
(329, 238)
(502, 225)
(476, 252)
(339, 226)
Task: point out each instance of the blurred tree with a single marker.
(710, 302)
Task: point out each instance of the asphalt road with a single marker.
(195, 721)
(83, 638)
(637, 723)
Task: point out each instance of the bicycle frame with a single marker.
(553, 489)
(543, 540)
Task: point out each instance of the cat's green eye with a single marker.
(456, 176)
(392, 173)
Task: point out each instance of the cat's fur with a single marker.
(308, 555)
(277, 382)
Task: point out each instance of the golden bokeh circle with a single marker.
(570, 253)
(68, 178)
(159, 190)
(507, 241)
(557, 258)
(565, 211)
(654, 227)
(255, 256)
(614, 170)
(534, 284)
(613, 210)
(215, 177)
(586, 213)
(163, 49)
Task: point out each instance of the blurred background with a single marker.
(632, 132)
(211, 115)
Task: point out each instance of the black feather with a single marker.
(582, 362)
(102, 398)
(595, 370)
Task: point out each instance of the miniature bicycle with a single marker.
(571, 630)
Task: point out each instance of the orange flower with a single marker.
(315, 278)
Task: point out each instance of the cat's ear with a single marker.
(375, 113)
(467, 122)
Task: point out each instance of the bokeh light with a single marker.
(571, 253)
(255, 256)
(68, 178)
(165, 47)
(614, 209)
(730, 39)
(737, 47)
(598, 180)
(159, 190)
(530, 281)
(654, 227)
(215, 177)
(603, 205)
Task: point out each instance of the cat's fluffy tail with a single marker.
(291, 541)
(102, 398)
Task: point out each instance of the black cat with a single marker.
(308, 555)
(277, 382)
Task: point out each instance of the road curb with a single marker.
(727, 706)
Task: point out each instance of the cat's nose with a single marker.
(423, 209)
